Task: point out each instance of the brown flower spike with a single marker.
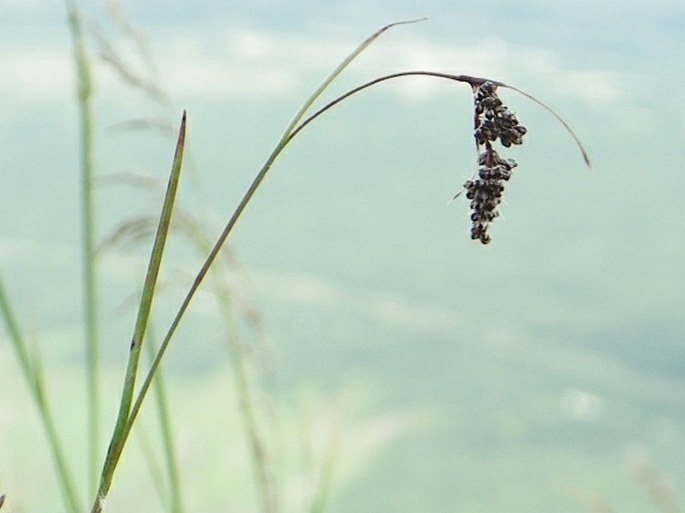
(492, 121)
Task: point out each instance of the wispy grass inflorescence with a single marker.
(492, 121)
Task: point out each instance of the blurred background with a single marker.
(426, 372)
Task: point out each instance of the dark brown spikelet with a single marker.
(485, 192)
(493, 121)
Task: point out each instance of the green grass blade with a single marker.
(85, 93)
(125, 417)
(34, 376)
(247, 197)
(338, 70)
(16, 337)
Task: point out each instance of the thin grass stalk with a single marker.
(337, 71)
(141, 228)
(168, 445)
(294, 129)
(472, 81)
(34, 377)
(266, 485)
(260, 456)
(122, 427)
(247, 197)
(154, 467)
(306, 454)
(85, 94)
(129, 410)
(322, 492)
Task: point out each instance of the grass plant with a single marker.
(493, 123)
(297, 124)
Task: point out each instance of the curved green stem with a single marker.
(293, 130)
(247, 197)
(472, 81)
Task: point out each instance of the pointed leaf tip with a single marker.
(181, 133)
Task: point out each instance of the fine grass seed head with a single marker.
(493, 121)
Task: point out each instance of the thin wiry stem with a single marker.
(324, 85)
(169, 449)
(262, 459)
(472, 81)
(34, 376)
(85, 93)
(322, 492)
(561, 120)
(260, 454)
(294, 129)
(247, 197)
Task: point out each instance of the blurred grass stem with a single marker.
(164, 418)
(34, 376)
(85, 94)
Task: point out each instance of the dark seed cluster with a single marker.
(485, 192)
(493, 121)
